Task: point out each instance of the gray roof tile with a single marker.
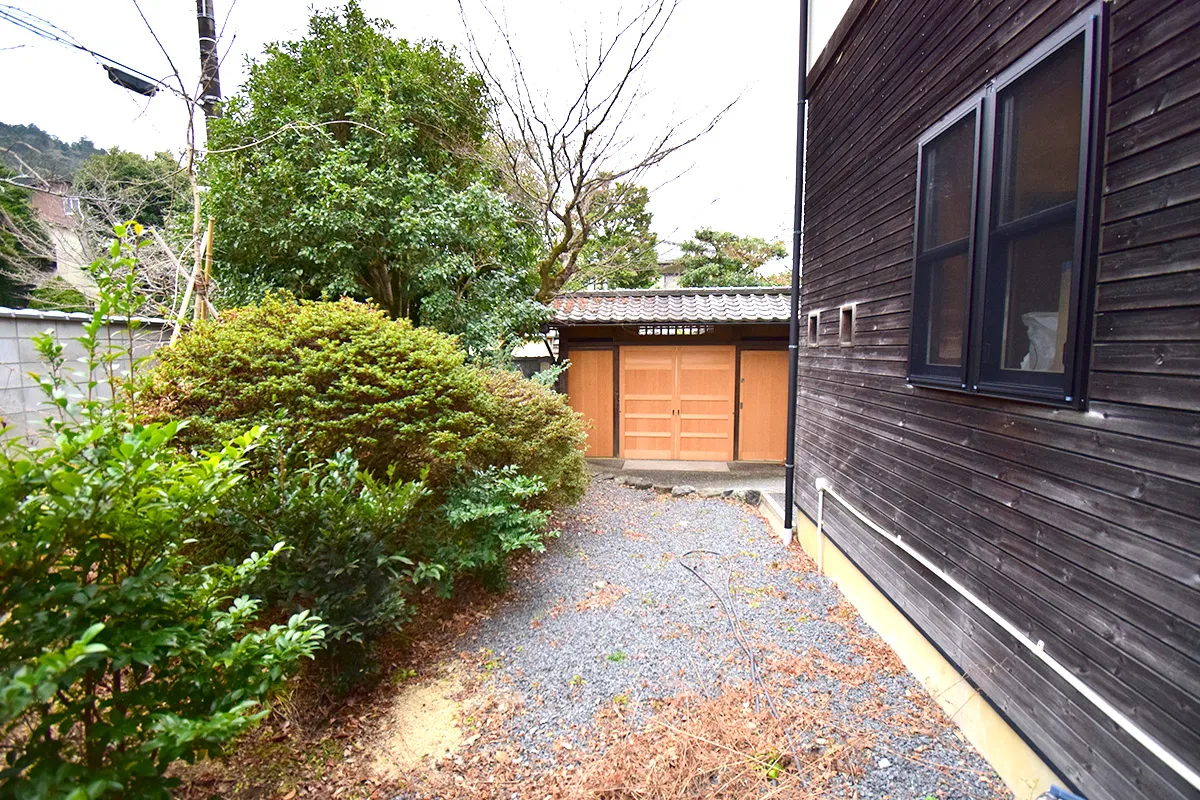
(649, 306)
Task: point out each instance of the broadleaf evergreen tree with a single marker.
(349, 165)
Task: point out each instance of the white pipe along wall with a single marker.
(1176, 764)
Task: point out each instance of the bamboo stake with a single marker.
(187, 298)
(196, 243)
(179, 270)
(195, 285)
(202, 289)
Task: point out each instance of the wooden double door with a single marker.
(677, 402)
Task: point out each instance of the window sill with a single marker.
(1023, 394)
(937, 382)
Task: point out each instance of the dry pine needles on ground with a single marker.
(595, 677)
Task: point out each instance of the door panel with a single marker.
(648, 424)
(590, 392)
(705, 406)
(762, 427)
(677, 403)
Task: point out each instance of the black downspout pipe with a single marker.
(789, 495)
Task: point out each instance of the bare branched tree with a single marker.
(556, 163)
(75, 239)
(110, 202)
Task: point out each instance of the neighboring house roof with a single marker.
(52, 208)
(649, 306)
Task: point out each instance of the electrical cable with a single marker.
(29, 15)
(739, 635)
(32, 23)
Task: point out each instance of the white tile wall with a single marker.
(21, 401)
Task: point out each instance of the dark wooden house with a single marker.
(1001, 286)
(678, 374)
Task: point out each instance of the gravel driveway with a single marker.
(609, 624)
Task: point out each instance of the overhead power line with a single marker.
(121, 74)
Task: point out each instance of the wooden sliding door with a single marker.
(677, 403)
(705, 403)
(590, 392)
(648, 402)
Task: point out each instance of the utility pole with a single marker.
(210, 79)
(210, 101)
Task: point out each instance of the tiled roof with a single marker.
(648, 306)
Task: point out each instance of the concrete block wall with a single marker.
(22, 405)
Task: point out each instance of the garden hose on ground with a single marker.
(739, 634)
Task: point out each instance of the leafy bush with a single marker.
(372, 408)
(344, 526)
(398, 397)
(489, 518)
(362, 545)
(117, 654)
(347, 376)
(533, 427)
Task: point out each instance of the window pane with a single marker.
(1037, 268)
(947, 310)
(1038, 132)
(947, 181)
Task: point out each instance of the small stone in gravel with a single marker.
(884, 763)
(680, 491)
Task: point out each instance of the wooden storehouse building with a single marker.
(1001, 289)
(678, 374)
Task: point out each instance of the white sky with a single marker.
(738, 178)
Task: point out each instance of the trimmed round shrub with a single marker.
(532, 427)
(331, 375)
(336, 376)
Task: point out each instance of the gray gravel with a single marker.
(668, 634)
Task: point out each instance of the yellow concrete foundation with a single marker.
(1025, 774)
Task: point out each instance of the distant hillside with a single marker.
(49, 155)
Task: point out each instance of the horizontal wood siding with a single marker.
(1081, 527)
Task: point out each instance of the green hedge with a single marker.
(394, 464)
(342, 375)
(533, 428)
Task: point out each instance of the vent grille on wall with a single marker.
(674, 330)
